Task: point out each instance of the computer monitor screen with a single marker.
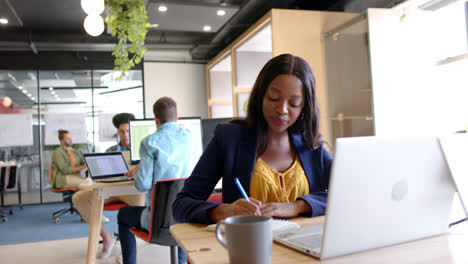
(209, 126)
(141, 128)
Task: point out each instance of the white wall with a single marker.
(184, 82)
(407, 99)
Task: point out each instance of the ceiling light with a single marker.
(20, 87)
(3, 21)
(58, 99)
(6, 101)
(162, 8)
(51, 88)
(53, 92)
(155, 25)
(206, 28)
(92, 7)
(94, 25)
(29, 94)
(221, 12)
(56, 95)
(24, 91)
(32, 98)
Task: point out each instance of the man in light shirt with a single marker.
(163, 155)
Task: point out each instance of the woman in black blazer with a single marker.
(281, 131)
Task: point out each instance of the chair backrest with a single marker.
(51, 174)
(164, 195)
(3, 174)
(11, 177)
(215, 198)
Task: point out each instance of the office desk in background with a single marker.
(6, 180)
(102, 191)
(202, 247)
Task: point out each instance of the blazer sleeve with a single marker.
(190, 204)
(317, 199)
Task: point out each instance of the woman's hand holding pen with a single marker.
(239, 207)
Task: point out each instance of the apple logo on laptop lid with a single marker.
(399, 190)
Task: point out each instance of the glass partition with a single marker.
(220, 89)
(66, 103)
(41, 102)
(251, 56)
(111, 98)
(349, 92)
(19, 135)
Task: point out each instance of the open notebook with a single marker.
(278, 225)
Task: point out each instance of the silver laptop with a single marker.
(455, 147)
(383, 191)
(106, 167)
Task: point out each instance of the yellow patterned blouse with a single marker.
(267, 185)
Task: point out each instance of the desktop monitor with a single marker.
(209, 126)
(141, 128)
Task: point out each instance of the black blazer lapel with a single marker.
(245, 159)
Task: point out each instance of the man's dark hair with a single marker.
(122, 118)
(165, 110)
(61, 133)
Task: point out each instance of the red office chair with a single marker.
(114, 206)
(215, 198)
(67, 197)
(164, 194)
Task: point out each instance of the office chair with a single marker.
(164, 194)
(67, 197)
(3, 215)
(215, 198)
(8, 180)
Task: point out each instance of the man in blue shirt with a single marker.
(163, 155)
(120, 122)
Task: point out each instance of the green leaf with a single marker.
(128, 20)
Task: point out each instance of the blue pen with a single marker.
(236, 180)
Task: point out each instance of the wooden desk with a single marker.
(102, 191)
(202, 247)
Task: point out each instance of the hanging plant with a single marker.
(128, 20)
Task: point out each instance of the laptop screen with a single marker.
(104, 165)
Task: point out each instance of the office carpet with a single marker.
(34, 223)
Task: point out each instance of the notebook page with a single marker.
(277, 225)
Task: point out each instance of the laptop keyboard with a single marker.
(114, 179)
(309, 241)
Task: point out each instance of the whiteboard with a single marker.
(75, 123)
(16, 130)
(107, 131)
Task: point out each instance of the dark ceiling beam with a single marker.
(63, 41)
(16, 34)
(207, 3)
(27, 60)
(55, 46)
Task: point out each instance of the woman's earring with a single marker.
(302, 116)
